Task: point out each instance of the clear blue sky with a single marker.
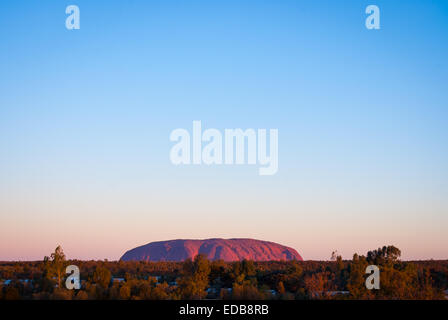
(85, 118)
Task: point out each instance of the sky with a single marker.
(86, 115)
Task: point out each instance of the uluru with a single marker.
(214, 249)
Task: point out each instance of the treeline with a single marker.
(204, 279)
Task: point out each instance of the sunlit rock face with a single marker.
(214, 249)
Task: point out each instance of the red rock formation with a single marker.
(214, 249)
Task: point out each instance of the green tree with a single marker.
(160, 292)
(356, 279)
(384, 255)
(125, 292)
(102, 277)
(81, 295)
(55, 264)
(248, 268)
(194, 279)
(246, 290)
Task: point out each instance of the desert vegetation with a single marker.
(204, 279)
